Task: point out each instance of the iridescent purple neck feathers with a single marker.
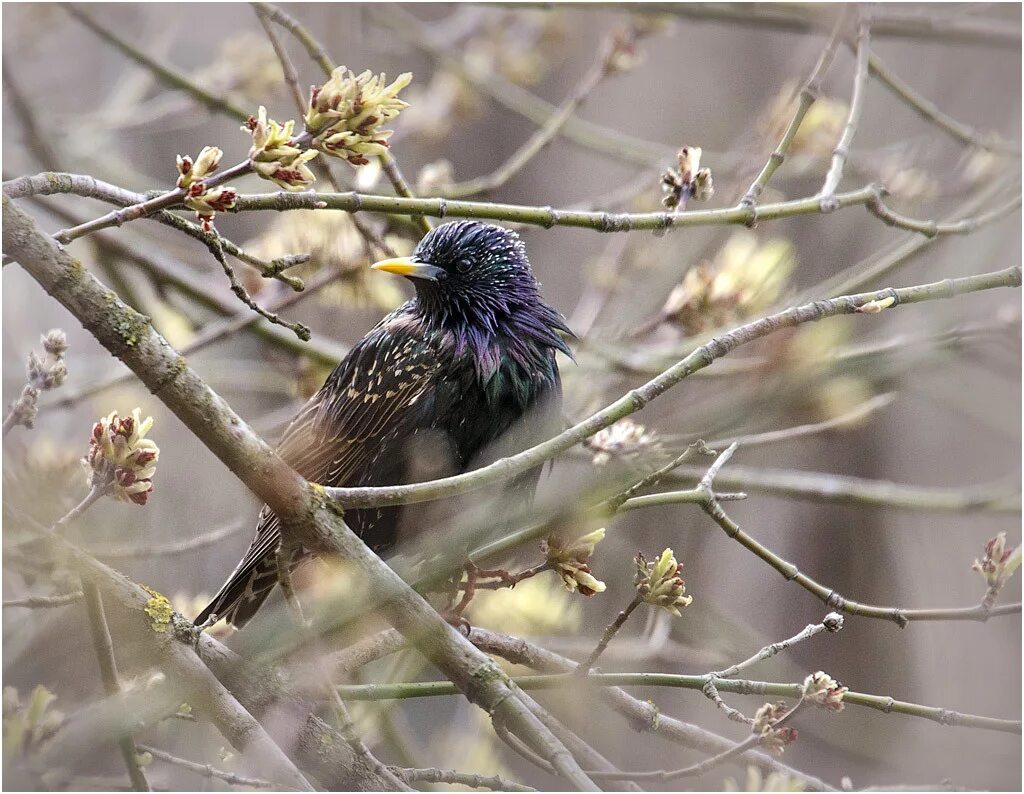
(485, 296)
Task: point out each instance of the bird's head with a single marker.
(467, 271)
(474, 280)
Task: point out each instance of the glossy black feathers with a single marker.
(468, 361)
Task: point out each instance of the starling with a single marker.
(470, 360)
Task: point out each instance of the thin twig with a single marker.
(165, 74)
(43, 602)
(291, 77)
(207, 770)
(807, 96)
(830, 597)
(315, 50)
(420, 689)
(832, 623)
(890, 217)
(827, 193)
(702, 767)
(216, 247)
(842, 489)
(541, 137)
(849, 418)
(36, 137)
(610, 631)
(931, 112)
(170, 549)
(925, 25)
(104, 647)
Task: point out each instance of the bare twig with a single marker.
(291, 77)
(104, 647)
(831, 598)
(703, 766)
(841, 489)
(165, 74)
(827, 193)
(216, 247)
(832, 622)
(43, 602)
(890, 217)
(929, 111)
(35, 137)
(418, 689)
(807, 96)
(610, 631)
(207, 770)
(544, 134)
(102, 643)
(911, 25)
(315, 50)
(170, 549)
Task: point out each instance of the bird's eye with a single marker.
(463, 266)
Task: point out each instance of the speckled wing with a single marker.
(349, 433)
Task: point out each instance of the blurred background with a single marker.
(928, 396)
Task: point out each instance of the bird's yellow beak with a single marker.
(407, 266)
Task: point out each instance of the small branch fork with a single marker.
(832, 622)
(808, 95)
(207, 770)
(216, 247)
(901, 617)
(704, 766)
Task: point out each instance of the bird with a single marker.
(470, 360)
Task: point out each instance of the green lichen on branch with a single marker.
(159, 609)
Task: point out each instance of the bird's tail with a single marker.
(242, 594)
